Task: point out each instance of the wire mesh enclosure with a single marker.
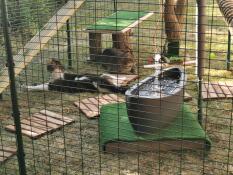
(116, 87)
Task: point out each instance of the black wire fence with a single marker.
(116, 87)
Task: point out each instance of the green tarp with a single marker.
(115, 126)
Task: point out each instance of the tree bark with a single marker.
(174, 16)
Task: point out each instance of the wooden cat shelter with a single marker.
(119, 24)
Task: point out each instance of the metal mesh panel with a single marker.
(153, 128)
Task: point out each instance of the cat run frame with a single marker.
(201, 55)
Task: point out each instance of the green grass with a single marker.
(75, 149)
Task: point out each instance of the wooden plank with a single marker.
(225, 89)
(85, 110)
(116, 98)
(31, 128)
(103, 101)
(36, 118)
(218, 90)
(189, 63)
(11, 128)
(91, 106)
(36, 125)
(7, 149)
(39, 124)
(51, 120)
(125, 29)
(137, 22)
(230, 86)
(120, 80)
(57, 116)
(95, 101)
(112, 98)
(6, 153)
(222, 90)
(151, 146)
(204, 91)
(38, 42)
(187, 97)
(210, 90)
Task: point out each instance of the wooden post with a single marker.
(95, 45)
(69, 50)
(201, 4)
(229, 51)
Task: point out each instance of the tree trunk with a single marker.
(174, 16)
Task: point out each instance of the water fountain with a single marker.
(153, 103)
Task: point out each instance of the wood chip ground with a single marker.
(91, 106)
(41, 123)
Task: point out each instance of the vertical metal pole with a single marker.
(68, 44)
(229, 51)
(115, 5)
(201, 53)
(70, 62)
(14, 98)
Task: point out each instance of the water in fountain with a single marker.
(156, 86)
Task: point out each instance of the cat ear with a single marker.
(56, 61)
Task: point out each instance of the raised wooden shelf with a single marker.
(119, 22)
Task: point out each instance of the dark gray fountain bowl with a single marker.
(150, 114)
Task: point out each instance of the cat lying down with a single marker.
(73, 83)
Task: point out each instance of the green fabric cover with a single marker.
(117, 21)
(115, 126)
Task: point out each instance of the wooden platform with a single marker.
(41, 123)
(152, 146)
(119, 80)
(91, 106)
(6, 153)
(119, 22)
(217, 90)
(39, 41)
(187, 97)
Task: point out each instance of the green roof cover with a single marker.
(117, 21)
